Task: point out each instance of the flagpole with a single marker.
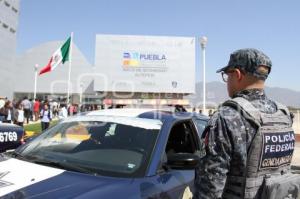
(35, 80)
(70, 66)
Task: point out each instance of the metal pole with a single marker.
(70, 66)
(35, 80)
(204, 80)
(203, 46)
(298, 121)
(80, 97)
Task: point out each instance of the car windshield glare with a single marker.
(109, 146)
(132, 121)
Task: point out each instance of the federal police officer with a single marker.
(249, 141)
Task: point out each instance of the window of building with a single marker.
(5, 25)
(14, 9)
(6, 3)
(12, 30)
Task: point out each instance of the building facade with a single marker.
(9, 14)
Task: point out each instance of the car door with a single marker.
(171, 183)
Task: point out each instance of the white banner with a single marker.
(145, 64)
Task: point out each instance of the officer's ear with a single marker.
(239, 74)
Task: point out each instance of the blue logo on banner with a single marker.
(126, 55)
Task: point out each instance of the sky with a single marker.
(268, 25)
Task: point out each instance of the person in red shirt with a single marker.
(36, 109)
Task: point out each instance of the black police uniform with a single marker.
(229, 135)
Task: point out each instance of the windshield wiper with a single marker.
(27, 158)
(63, 165)
(14, 154)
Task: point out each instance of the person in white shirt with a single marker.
(63, 112)
(55, 109)
(19, 115)
(46, 117)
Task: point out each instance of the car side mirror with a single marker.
(183, 161)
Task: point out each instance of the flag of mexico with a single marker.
(61, 55)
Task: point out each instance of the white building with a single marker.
(9, 14)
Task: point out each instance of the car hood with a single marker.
(20, 179)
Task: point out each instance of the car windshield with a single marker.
(102, 145)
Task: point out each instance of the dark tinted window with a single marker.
(181, 139)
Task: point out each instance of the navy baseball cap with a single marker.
(248, 59)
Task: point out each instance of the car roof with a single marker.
(126, 112)
(149, 113)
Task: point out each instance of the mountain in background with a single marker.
(216, 92)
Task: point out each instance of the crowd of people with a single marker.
(24, 111)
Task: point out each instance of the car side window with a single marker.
(181, 139)
(200, 124)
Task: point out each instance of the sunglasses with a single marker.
(225, 73)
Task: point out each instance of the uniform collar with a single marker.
(251, 94)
